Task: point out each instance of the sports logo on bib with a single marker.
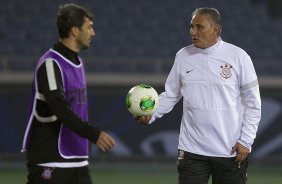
(226, 71)
(47, 173)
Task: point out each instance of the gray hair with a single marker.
(212, 13)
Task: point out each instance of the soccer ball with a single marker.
(142, 100)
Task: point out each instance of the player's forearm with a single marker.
(64, 113)
(166, 104)
(170, 97)
(252, 116)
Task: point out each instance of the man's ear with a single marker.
(217, 29)
(74, 31)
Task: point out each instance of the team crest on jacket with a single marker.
(226, 71)
(47, 173)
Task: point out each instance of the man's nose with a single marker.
(93, 33)
(192, 31)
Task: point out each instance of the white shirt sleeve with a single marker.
(251, 101)
(170, 96)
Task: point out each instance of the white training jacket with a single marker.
(221, 99)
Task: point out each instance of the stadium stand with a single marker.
(154, 29)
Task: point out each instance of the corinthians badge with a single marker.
(226, 71)
(47, 173)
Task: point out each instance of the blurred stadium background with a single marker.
(135, 42)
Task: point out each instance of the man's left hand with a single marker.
(242, 152)
(105, 142)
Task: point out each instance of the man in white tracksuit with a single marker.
(221, 105)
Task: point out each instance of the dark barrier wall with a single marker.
(107, 110)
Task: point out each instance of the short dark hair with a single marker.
(212, 13)
(71, 15)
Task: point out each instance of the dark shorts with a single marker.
(197, 169)
(49, 175)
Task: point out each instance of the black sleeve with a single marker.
(57, 103)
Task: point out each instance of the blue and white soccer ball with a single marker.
(142, 100)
